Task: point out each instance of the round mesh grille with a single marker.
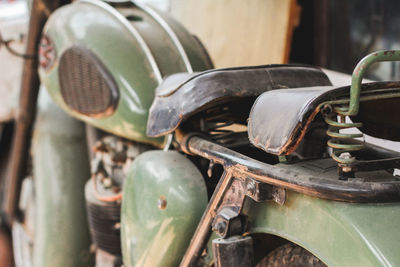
(86, 84)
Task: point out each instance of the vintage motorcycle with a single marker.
(190, 165)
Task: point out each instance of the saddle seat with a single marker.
(182, 95)
(279, 119)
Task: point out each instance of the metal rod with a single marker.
(358, 75)
(242, 166)
(16, 171)
(239, 166)
(203, 230)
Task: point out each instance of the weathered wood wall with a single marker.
(237, 32)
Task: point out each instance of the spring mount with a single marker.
(342, 143)
(219, 123)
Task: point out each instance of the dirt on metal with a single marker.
(6, 255)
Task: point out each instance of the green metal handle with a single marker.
(358, 75)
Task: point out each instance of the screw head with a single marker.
(219, 227)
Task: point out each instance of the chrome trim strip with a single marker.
(164, 24)
(133, 31)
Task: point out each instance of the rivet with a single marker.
(162, 203)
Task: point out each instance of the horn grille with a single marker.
(87, 86)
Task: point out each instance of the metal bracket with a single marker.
(234, 251)
(229, 222)
(261, 192)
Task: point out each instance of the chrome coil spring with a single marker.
(342, 142)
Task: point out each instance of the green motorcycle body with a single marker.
(164, 199)
(61, 168)
(136, 46)
(338, 233)
(164, 195)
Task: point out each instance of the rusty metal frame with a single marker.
(248, 171)
(41, 10)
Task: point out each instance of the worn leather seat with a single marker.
(182, 95)
(279, 119)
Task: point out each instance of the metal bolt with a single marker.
(220, 227)
(326, 109)
(346, 169)
(210, 168)
(251, 188)
(107, 182)
(345, 155)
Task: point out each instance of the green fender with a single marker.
(164, 198)
(61, 167)
(340, 234)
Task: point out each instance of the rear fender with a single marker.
(340, 234)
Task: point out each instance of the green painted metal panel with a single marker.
(138, 53)
(340, 234)
(153, 236)
(61, 167)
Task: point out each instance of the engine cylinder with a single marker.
(104, 221)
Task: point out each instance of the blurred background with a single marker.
(333, 34)
(13, 26)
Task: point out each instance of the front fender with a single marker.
(340, 234)
(61, 169)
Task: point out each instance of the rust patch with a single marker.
(389, 53)
(162, 203)
(293, 142)
(241, 167)
(235, 194)
(256, 140)
(6, 258)
(267, 144)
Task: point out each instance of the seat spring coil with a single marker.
(342, 142)
(216, 125)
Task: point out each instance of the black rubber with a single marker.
(290, 255)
